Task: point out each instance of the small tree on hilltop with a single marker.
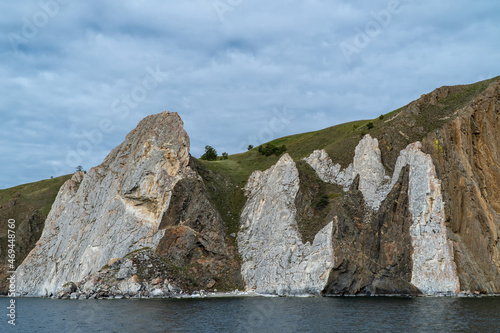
(250, 147)
(270, 149)
(225, 156)
(210, 154)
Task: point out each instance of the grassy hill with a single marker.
(29, 205)
(394, 131)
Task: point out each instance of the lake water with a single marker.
(256, 314)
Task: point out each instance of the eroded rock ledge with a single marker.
(433, 266)
(121, 206)
(275, 261)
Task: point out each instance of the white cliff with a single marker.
(434, 268)
(275, 261)
(374, 184)
(114, 209)
(368, 164)
(324, 167)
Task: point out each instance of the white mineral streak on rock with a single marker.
(114, 209)
(275, 261)
(323, 165)
(434, 268)
(367, 163)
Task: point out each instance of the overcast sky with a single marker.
(77, 76)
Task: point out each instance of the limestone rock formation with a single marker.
(326, 170)
(367, 163)
(152, 221)
(275, 261)
(114, 209)
(466, 152)
(140, 274)
(434, 269)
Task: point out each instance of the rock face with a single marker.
(433, 266)
(141, 274)
(196, 237)
(367, 163)
(114, 209)
(326, 170)
(434, 269)
(275, 261)
(373, 252)
(466, 153)
(151, 221)
(29, 206)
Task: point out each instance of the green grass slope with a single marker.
(29, 205)
(225, 179)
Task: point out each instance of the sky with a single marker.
(77, 76)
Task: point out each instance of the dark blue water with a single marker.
(374, 314)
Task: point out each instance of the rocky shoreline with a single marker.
(102, 295)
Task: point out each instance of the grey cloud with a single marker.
(225, 78)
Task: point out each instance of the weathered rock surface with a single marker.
(434, 269)
(466, 152)
(275, 261)
(373, 252)
(367, 163)
(140, 274)
(325, 169)
(307, 227)
(196, 238)
(114, 209)
(28, 205)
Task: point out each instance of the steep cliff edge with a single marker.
(361, 219)
(119, 207)
(466, 152)
(407, 205)
(275, 260)
(29, 206)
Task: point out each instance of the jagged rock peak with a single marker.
(367, 163)
(275, 260)
(434, 269)
(115, 209)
